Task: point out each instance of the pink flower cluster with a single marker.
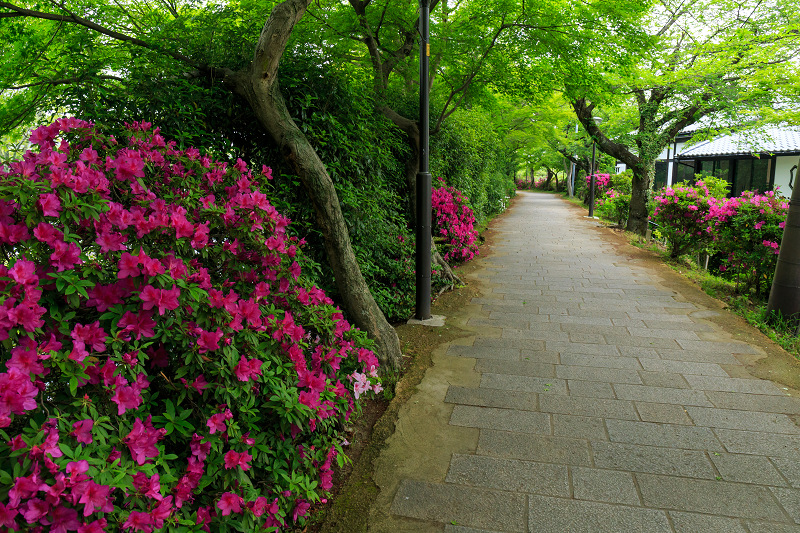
(152, 300)
(745, 230)
(454, 222)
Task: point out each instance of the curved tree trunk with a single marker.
(637, 218)
(260, 87)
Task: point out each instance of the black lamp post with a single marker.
(423, 251)
(592, 178)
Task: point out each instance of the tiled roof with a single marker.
(775, 140)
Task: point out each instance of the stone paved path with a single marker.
(601, 402)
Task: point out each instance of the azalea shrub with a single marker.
(524, 185)
(615, 201)
(681, 214)
(748, 231)
(165, 364)
(453, 223)
(602, 182)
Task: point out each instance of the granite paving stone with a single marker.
(609, 375)
(755, 402)
(703, 523)
(580, 427)
(586, 406)
(771, 527)
(492, 398)
(665, 413)
(609, 486)
(549, 514)
(523, 383)
(712, 497)
(673, 334)
(712, 346)
(578, 347)
(641, 342)
(472, 507)
(789, 468)
(652, 459)
(720, 358)
(661, 395)
(509, 474)
(450, 528)
(543, 448)
(682, 367)
(593, 389)
(589, 393)
(582, 359)
(668, 380)
(789, 500)
(746, 420)
(526, 367)
(508, 354)
(744, 468)
(749, 386)
(651, 434)
(501, 419)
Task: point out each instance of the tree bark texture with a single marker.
(638, 214)
(260, 87)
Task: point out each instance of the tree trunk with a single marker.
(640, 189)
(260, 87)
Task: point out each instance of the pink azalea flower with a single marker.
(65, 256)
(217, 421)
(24, 272)
(97, 526)
(7, 514)
(62, 519)
(49, 204)
(94, 497)
(34, 509)
(82, 430)
(162, 298)
(235, 459)
(209, 340)
(127, 397)
(139, 521)
(148, 486)
(128, 266)
(230, 503)
(246, 370)
(142, 440)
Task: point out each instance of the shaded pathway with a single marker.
(589, 399)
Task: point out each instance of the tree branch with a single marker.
(64, 81)
(74, 19)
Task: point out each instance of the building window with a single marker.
(751, 175)
(660, 179)
(685, 172)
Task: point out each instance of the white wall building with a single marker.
(758, 160)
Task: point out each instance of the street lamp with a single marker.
(423, 249)
(592, 175)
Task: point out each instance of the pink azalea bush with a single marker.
(601, 182)
(615, 201)
(454, 222)
(165, 365)
(523, 185)
(681, 214)
(748, 231)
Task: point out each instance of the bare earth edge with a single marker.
(350, 510)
